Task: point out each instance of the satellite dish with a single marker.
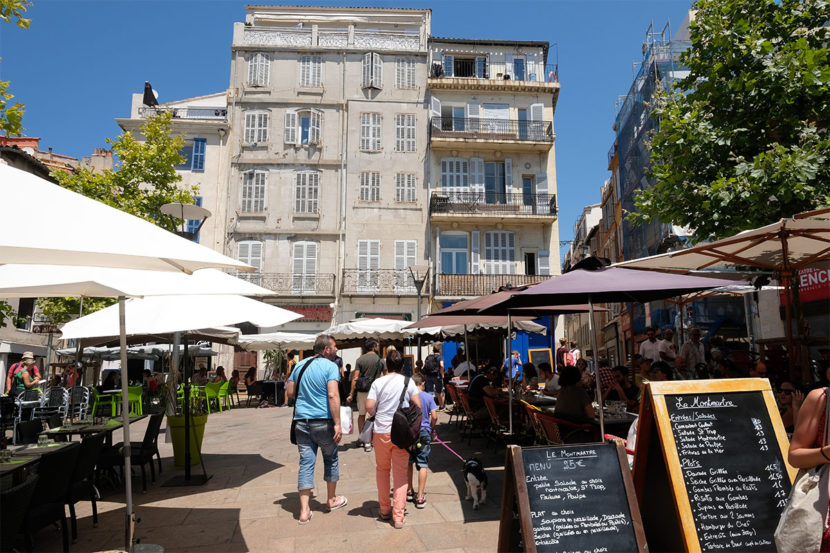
(156, 93)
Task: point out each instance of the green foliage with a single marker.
(11, 114)
(143, 180)
(744, 139)
(6, 312)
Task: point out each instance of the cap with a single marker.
(28, 355)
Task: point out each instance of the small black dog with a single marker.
(476, 480)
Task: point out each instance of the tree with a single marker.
(11, 115)
(744, 139)
(143, 180)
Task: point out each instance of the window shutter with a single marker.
(477, 178)
(198, 158)
(473, 115)
(542, 194)
(537, 112)
(299, 258)
(311, 258)
(244, 252)
(509, 253)
(250, 128)
(400, 254)
(374, 255)
(367, 70)
(305, 71)
(265, 69)
(317, 70)
(363, 255)
(435, 104)
(400, 80)
(448, 66)
(481, 67)
(543, 257)
(377, 71)
(475, 252)
(314, 137)
(508, 65)
(508, 179)
(252, 68)
(290, 127)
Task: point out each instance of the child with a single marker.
(419, 454)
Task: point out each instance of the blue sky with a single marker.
(79, 63)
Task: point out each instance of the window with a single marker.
(25, 313)
(494, 190)
(454, 253)
(370, 131)
(304, 269)
(259, 69)
(465, 67)
(405, 132)
(310, 70)
(194, 155)
(405, 73)
(304, 124)
(253, 191)
(405, 253)
(519, 69)
(454, 173)
(250, 252)
(193, 224)
(372, 70)
(369, 186)
(499, 252)
(307, 192)
(256, 127)
(368, 264)
(405, 185)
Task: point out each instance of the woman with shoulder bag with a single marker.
(381, 403)
(810, 449)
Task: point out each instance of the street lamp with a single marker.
(184, 213)
(419, 277)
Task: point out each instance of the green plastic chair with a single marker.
(134, 395)
(211, 394)
(224, 395)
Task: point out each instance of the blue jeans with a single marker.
(312, 434)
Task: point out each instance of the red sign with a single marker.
(311, 313)
(813, 285)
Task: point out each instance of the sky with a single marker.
(78, 64)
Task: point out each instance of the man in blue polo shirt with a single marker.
(514, 363)
(317, 416)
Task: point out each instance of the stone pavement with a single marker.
(251, 502)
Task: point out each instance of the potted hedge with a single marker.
(176, 425)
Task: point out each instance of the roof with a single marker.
(220, 93)
(36, 167)
(545, 45)
(337, 8)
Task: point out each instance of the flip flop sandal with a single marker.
(306, 521)
(343, 502)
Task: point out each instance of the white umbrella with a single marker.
(168, 314)
(272, 340)
(381, 329)
(37, 281)
(450, 331)
(98, 235)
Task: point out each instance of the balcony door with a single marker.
(494, 190)
(368, 265)
(304, 270)
(499, 252)
(454, 253)
(496, 118)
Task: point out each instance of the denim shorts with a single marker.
(419, 454)
(311, 434)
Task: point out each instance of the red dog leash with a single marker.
(437, 439)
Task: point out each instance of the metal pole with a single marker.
(510, 373)
(186, 409)
(467, 352)
(129, 530)
(598, 393)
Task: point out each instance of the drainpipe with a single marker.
(344, 136)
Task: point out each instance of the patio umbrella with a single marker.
(271, 340)
(783, 247)
(603, 285)
(358, 329)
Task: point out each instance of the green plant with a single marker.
(274, 359)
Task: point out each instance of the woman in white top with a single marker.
(381, 403)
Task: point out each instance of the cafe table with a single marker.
(12, 472)
(85, 428)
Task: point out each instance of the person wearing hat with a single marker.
(22, 376)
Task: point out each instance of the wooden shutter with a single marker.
(250, 128)
(542, 194)
(475, 252)
(473, 116)
(481, 67)
(543, 258)
(197, 161)
(377, 70)
(252, 68)
(448, 66)
(435, 105)
(367, 70)
(537, 112)
(316, 70)
(400, 71)
(314, 133)
(305, 71)
(508, 65)
(477, 178)
(508, 179)
(290, 126)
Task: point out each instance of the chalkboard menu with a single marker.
(540, 355)
(734, 472)
(710, 470)
(574, 498)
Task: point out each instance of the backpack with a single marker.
(569, 359)
(432, 365)
(406, 422)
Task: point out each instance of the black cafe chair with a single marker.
(47, 507)
(82, 486)
(141, 453)
(14, 502)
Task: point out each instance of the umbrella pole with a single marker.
(125, 419)
(510, 373)
(598, 393)
(467, 352)
(186, 409)
(682, 312)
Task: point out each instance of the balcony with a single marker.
(321, 284)
(210, 113)
(479, 74)
(493, 134)
(459, 286)
(392, 282)
(450, 205)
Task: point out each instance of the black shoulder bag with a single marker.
(406, 422)
(293, 436)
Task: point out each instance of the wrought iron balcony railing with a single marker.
(215, 113)
(321, 284)
(480, 68)
(380, 281)
(492, 203)
(491, 129)
(477, 285)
